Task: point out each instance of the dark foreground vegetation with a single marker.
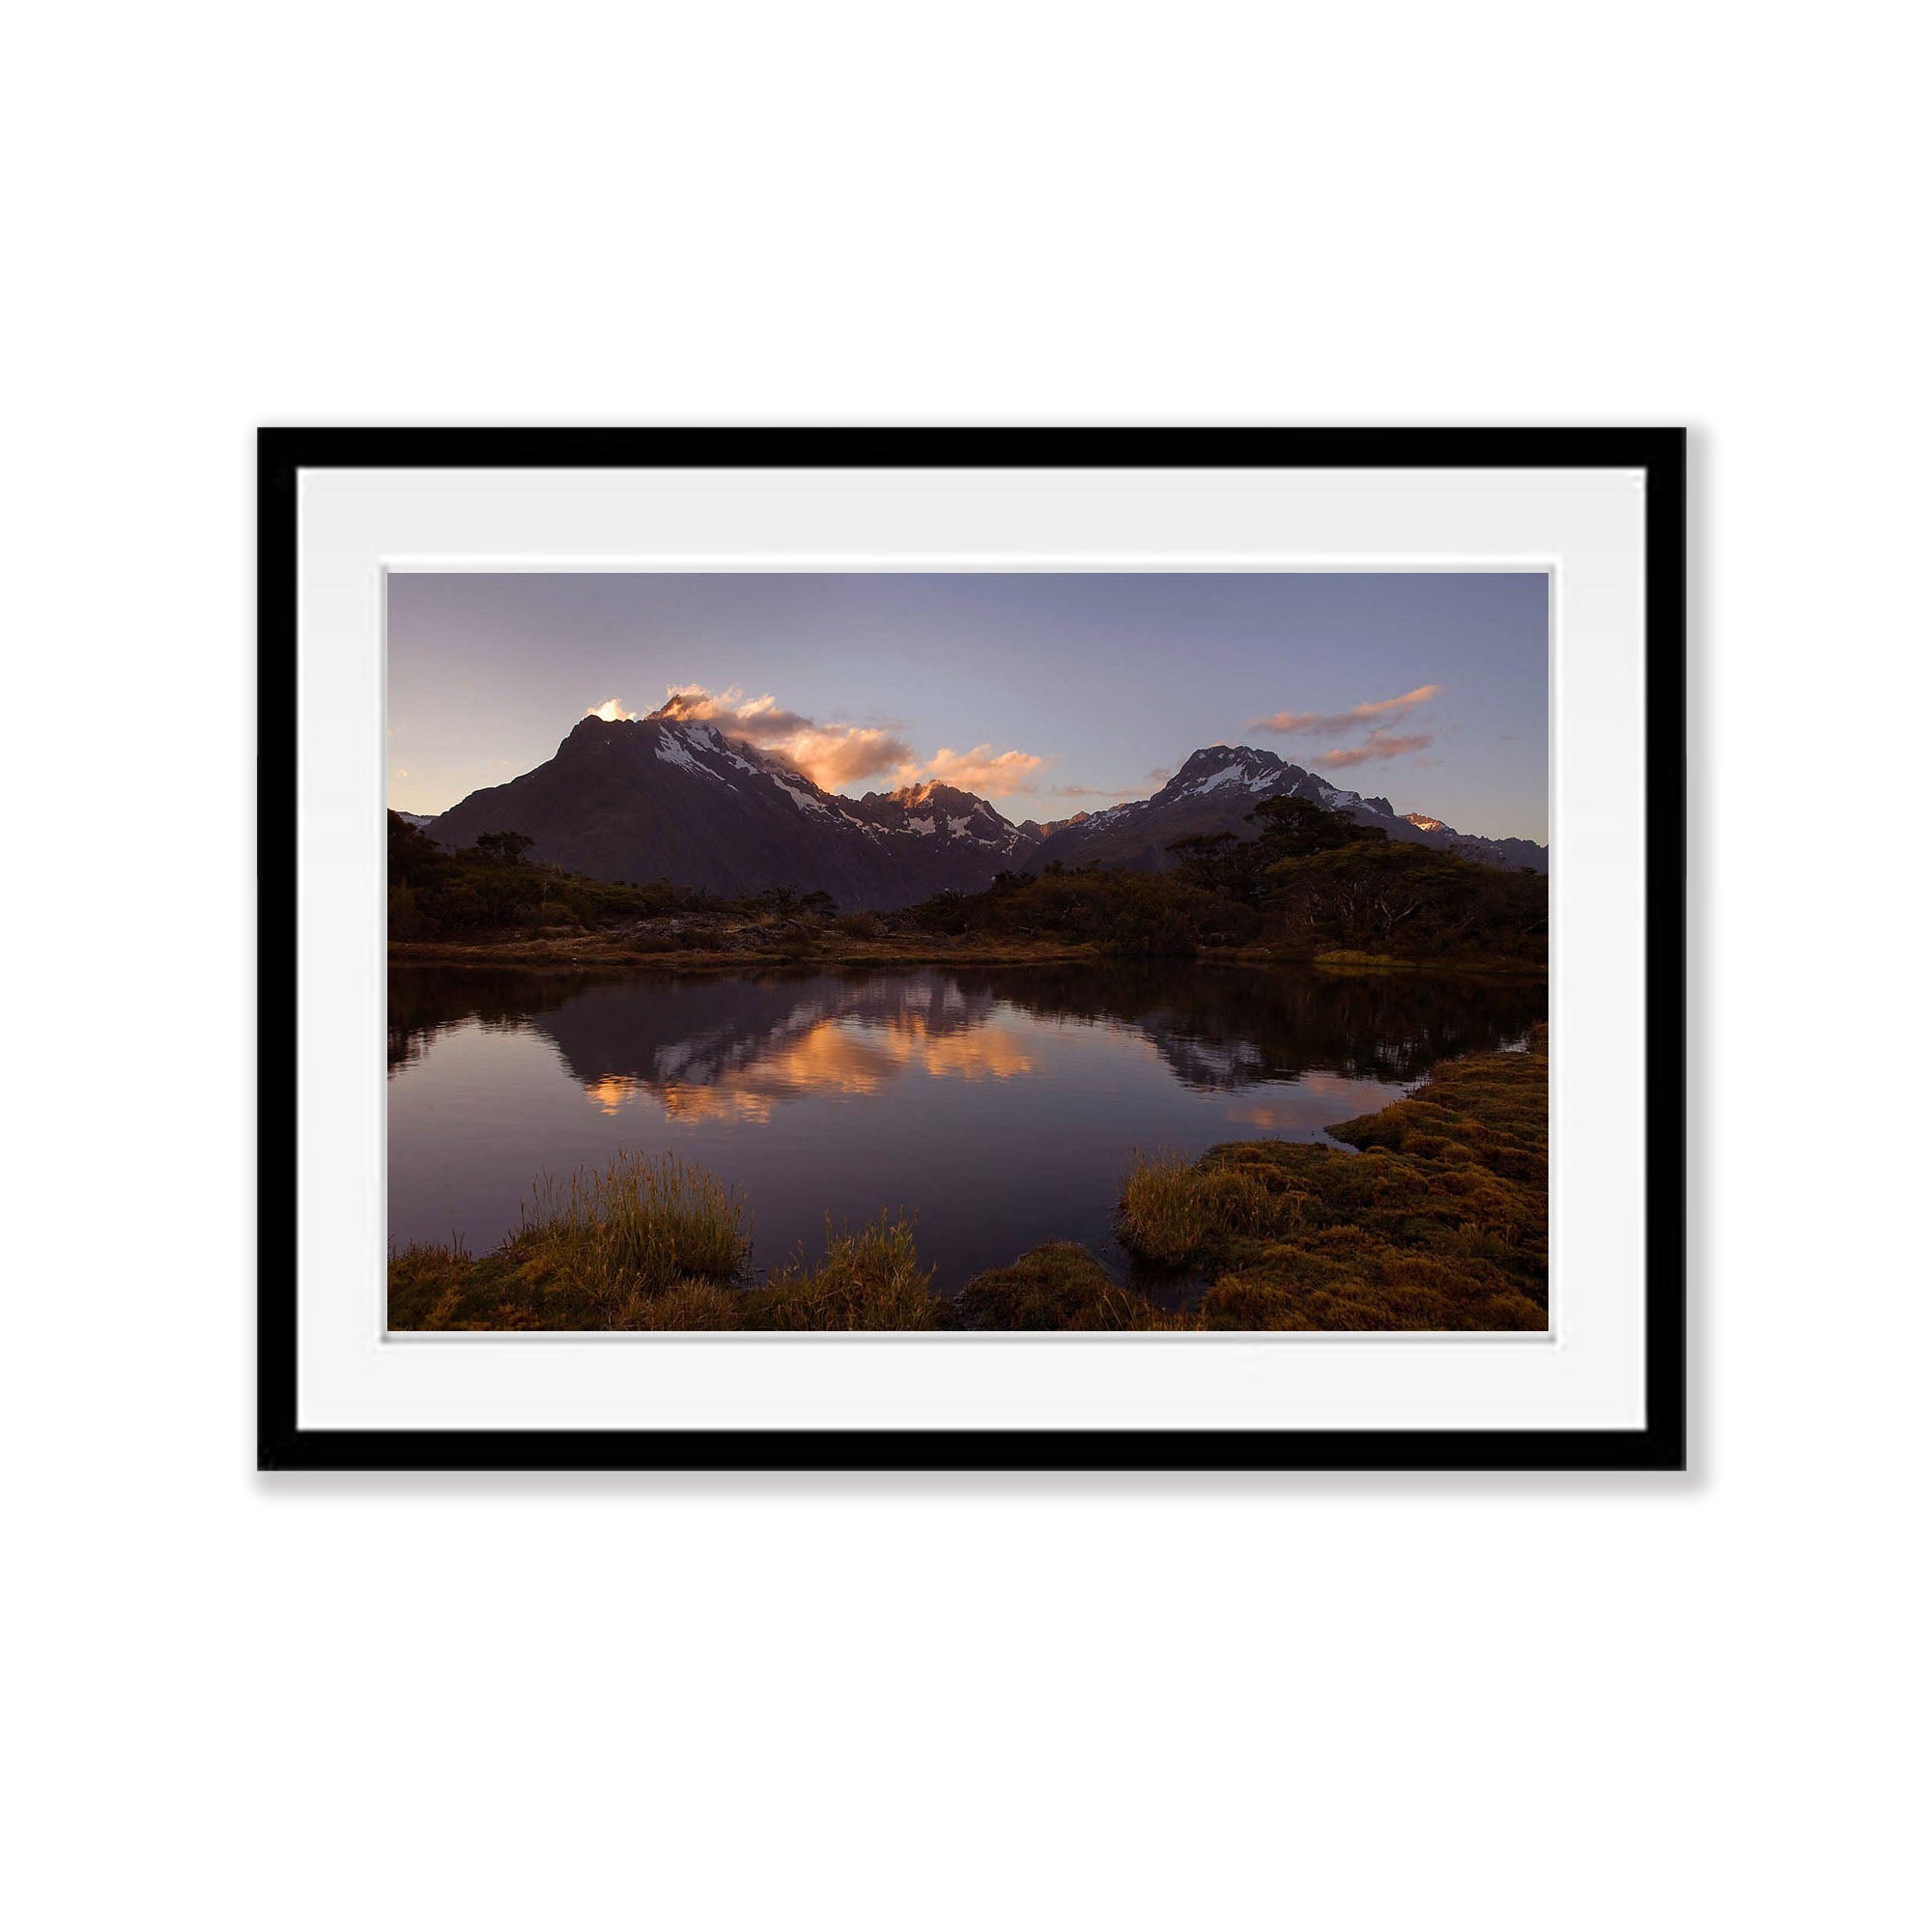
(1439, 1221)
(1311, 885)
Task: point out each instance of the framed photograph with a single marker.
(971, 948)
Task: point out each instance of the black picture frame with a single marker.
(282, 1444)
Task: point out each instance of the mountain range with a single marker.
(672, 797)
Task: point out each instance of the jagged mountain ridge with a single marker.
(675, 798)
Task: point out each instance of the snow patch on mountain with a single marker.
(1227, 776)
(804, 800)
(743, 764)
(673, 752)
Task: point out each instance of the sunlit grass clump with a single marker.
(639, 1244)
(637, 1226)
(1173, 1211)
(871, 1279)
(1163, 1213)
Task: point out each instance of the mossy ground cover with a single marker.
(1439, 1222)
(1059, 1285)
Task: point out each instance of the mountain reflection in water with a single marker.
(999, 1105)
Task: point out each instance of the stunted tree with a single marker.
(1292, 828)
(508, 846)
(1203, 858)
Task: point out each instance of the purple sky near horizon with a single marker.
(1048, 693)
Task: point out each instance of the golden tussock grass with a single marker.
(596, 1250)
(870, 1279)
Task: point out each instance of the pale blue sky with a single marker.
(1051, 692)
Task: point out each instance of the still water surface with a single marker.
(999, 1106)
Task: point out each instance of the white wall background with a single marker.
(1334, 1703)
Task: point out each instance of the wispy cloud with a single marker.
(1378, 747)
(1114, 794)
(1292, 724)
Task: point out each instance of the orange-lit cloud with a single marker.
(1376, 746)
(836, 755)
(1291, 723)
(980, 770)
(830, 756)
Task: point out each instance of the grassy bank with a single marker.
(757, 948)
(750, 948)
(1439, 1221)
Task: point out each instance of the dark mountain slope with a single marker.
(669, 798)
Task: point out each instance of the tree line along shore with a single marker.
(1309, 886)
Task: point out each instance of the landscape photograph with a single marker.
(968, 954)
